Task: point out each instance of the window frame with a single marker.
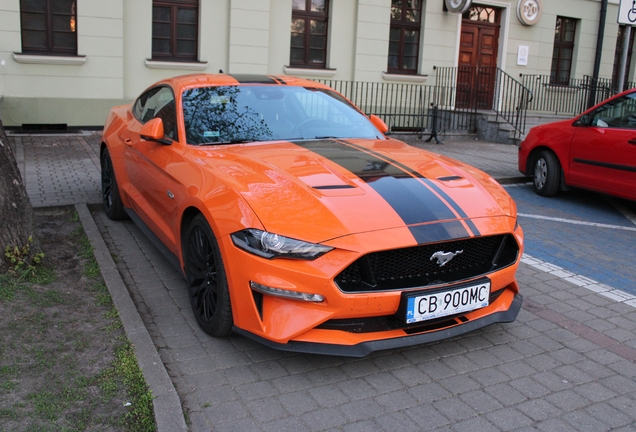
(49, 48)
(308, 16)
(560, 44)
(403, 25)
(175, 55)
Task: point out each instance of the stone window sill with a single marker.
(404, 78)
(193, 66)
(49, 59)
(309, 72)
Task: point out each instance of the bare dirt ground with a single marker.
(65, 363)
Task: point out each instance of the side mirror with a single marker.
(153, 131)
(379, 123)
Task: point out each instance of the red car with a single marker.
(595, 151)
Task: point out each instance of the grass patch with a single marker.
(65, 364)
(140, 416)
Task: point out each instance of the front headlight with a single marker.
(269, 245)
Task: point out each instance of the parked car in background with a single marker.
(296, 222)
(595, 151)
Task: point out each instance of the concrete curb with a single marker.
(166, 403)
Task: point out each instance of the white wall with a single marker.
(253, 36)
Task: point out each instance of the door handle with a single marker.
(632, 141)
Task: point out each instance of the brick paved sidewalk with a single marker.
(554, 368)
(59, 169)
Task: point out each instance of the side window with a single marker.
(310, 19)
(404, 38)
(158, 102)
(175, 30)
(563, 51)
(49, 27)
(619, 113)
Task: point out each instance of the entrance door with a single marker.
(478, 57)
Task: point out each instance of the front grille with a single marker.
(413, 267)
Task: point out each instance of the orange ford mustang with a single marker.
(297, 223)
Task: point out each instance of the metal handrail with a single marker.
(489, 89)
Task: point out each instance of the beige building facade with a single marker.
(118, 45)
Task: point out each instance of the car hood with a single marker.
(320, 190)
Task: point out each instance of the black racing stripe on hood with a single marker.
(438, 232)
(253, 79)
(411, 200)
(431, 184)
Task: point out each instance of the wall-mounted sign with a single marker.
(627, 13)
(458, 6)
(529, 11)
(522, 55)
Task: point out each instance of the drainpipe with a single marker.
(599, 50)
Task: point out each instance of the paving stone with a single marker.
(429, 393)
(266, 409)
(454, 408)
(480, 401)
(298, 403)
(427, 418)
(324, 418)
(508, 418)
(474, 425)
(287, 424)
(396, 421)
(567, 400)
(582, 421)
(328, 396)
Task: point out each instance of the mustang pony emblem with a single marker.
(444, 257)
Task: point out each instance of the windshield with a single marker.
(231, 114)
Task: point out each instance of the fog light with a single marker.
(293, 295)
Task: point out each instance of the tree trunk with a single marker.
(16, 212)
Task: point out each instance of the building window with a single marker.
(618, 53)
(483, 14)
(309, 24)
(175, 30)
(49, 27)
(563, 51)
(404, 38)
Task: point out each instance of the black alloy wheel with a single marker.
(113, 206)
(207, 284)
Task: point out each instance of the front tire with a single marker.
(547, 174)
(207, 283)
(113, 207)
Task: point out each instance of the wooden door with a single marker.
(477, 64)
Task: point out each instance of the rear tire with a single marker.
(205, 276)
(113, 207)
(547, 174)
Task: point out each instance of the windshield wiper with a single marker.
(232, 141)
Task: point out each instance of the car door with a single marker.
(603, 150)
(146, 161)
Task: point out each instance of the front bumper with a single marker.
(365, 348)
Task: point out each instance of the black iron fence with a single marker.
(409, 107)
(573, 98)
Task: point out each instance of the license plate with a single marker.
(422, 307)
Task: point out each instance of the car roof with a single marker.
(181, 82)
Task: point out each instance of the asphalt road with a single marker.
(584, 232)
